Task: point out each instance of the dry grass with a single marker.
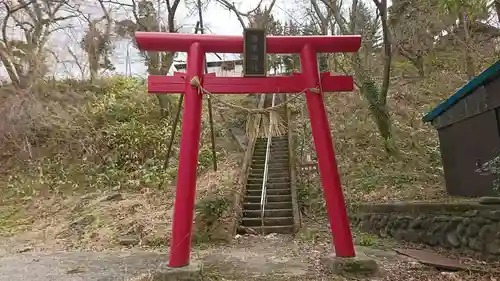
(53, 204)
(65, 146)
(99, 221)
(64, 151)
(27, 117)
(368, 173)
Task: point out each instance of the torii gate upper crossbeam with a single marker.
(177, 42)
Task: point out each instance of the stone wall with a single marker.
(470, 227)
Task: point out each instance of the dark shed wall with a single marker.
(484, 98)
(493, 93)
(465, 145)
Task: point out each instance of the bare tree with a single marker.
(146, 17)
(413, 27)
(25, 58)
(97, 43)
(256, 17)
(496, 4)
(464, 14)
(361, 21)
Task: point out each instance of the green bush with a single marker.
(209, 213)
(115, 140)
(311, 199)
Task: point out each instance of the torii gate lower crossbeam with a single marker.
(309, 78)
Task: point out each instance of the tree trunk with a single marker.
(323, 62)
(93, 74)
(157, 67)
(9, 65)
(497, 9)
(174, 129)
(417, 61)
(419, 64)
(382, 118)
(209, 101)
(380, 113)
(164, 102)
(469, 61)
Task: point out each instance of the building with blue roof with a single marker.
(468, 125)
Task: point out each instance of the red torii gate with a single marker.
(196, 46)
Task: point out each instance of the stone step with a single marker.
(273, 139)
(268, 213)
(286, 229)
(278, 216)
(274, 162)
(269, 183)
(274, 191)
(277, 151)
(274, 144)
(279, 185)
(261, 165)
(269, 180)
(274, 147)
(272, 158)
(262, 151)
(269, 198)
(270, 221)
(283, 138)
(270, 174)
(274, 153)
(269, 205)
(260, 171)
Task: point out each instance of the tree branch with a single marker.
(232, 7)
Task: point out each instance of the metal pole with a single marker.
(209, 101)
(263, 196)
(176, 121)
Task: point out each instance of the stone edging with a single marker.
(470, 227)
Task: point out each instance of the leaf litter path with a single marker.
(275, 257)
(272, 257)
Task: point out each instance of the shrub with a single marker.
(112, 138)
(209, 213)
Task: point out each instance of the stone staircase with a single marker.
(278, 216)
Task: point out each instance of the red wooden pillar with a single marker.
(330, 178)
(188, 163)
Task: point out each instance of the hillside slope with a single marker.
(68, 154)
(82, 165)
(368, 173)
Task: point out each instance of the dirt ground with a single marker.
(117, 234)
(271, 257)
(277, 257)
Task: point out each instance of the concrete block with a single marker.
(192, 272)
(359, 265)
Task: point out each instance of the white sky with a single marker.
(217, 20)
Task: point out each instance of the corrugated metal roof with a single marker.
(182, 66)
(486, 76)
(211, 58)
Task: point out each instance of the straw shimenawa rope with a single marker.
(195, 82)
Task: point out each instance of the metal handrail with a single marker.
(263, 198)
